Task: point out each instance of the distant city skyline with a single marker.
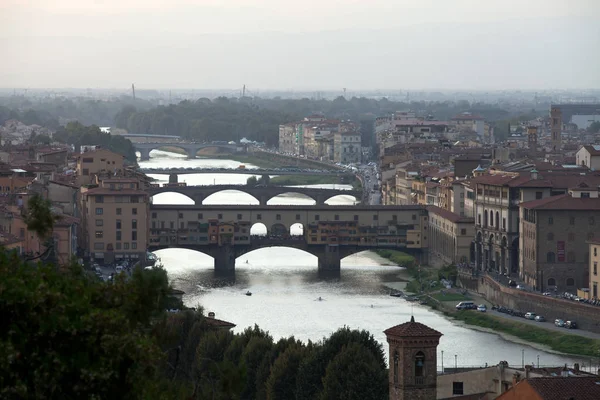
(313, 45)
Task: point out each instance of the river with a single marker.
(286, 287)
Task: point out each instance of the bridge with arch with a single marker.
(261, 193)
(191, 149)
(329, 232)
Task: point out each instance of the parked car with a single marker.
(465, 305)
(512, 283)
(481, 308)
(530, 315)
(571, 325)
(520, 287)
(559, 322)
(539, 318)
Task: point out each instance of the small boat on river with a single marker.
(248, 293)
(396, 293)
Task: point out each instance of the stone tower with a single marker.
(413, 361)
(556, 127)
(532, 138)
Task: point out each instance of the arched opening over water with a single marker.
(278, 230)
(180, 259)
(229, 197)
(342, 199)
(258, 229)
(297, 229)
(172, 198)
(291, 198)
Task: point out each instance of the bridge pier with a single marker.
(144, 154)
(329, 261)
(198, 199)
(191, 153)
(263, 200)
(224, 260)
(320, 200)
(173, 178)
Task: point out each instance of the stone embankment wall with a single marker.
(586, 316)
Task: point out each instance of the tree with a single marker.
(39, 217)
(368, 380)
(252, 181)
(594, 127)
(281, 384)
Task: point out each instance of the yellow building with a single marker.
(96, 161)
(594, 263)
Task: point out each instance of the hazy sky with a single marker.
(308, 44)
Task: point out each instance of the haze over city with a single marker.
(327, 44)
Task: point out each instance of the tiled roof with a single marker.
(594, 150)
(411, 329)
(563, 202)
(561, 388)
(218, 323)
(449, 215)
(115, 192)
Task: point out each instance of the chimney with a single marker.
(576, 367)
(534, 173)
(516, 378)
(565, 371)
(211, 314)
(527, 371)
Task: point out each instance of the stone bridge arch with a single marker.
(172, 190)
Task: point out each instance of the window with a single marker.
(99, 234)
(571, 237)
(396, 359)
(134, 245)
(550, 257)
(118, 224)
(135, 199)
(200, 215)
(463, 231)
(118, 246)
(172, 224)
(220, 216)
(86, 171)
(595, 290)
(88, 160)
(99, 222)
(119, 211)
(180, 215)
(133, 235)
(375, 217)
(550, 236)
(414, 217)
(154, 215)
(570, 282)
(595, 268)
(99, 199)
(550, 220)
(336, 217)
(153, 224)
(134, 211)
(595, 252)
(239, 217)
(419, 365)
(98, 246)
(585, 195)
(317, 217)
(125, 246)
(538, 195)
(118, 235)
(551, 282)
(259, 216)
(572, 220)
(99, 211)
(134, 224)
(457, 388)
(479, 219)
(504, 223)
(571, 256)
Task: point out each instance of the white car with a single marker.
(530, 315)
(481, 308)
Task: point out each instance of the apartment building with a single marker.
(450, 236)
(96, 161)
(115, 220)
(347, 148)
(594, 262)
(554, 240)
(287, 138)
(589, 156)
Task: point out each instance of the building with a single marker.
(347, 147)
(469, 122)
(589, 156)
(413, 361)
(554, 388)
(96, 161)
(594, 252)
(554, 239)
(52, 155)
(287, 138)
(450, 236)
(115, 220)
(556, 128)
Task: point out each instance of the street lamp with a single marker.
(523, 358)
(442, 361)
(455, 362)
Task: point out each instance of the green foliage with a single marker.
(594, 127)
(66, 335)
(77, 134)
(369, 380)
(39, 217)
(252, 181)
(397, 257)
(281, 384)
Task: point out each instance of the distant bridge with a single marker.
(246, 171)
(261, 193)
(191, 149)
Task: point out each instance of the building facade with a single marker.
(287, 138)
(347, 147)
(450, 236)
(96, 161)
(594, 252)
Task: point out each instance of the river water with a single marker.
(286, 287)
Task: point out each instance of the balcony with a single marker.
(419, 380)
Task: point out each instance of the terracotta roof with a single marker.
(411, 329)
(218, 323)
(66, 220)
(114, 192)
(563, 202)
(561, 388)
(449, 215)
(594, 150)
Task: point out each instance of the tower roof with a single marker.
(412, 329)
